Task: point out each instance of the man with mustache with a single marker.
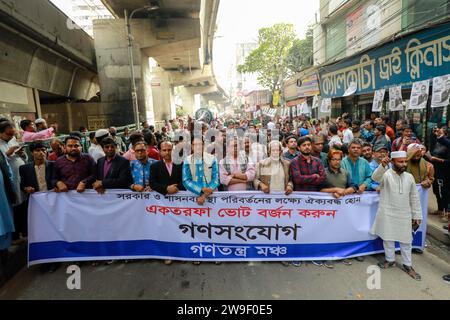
(75, 170)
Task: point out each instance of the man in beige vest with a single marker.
(272, 173)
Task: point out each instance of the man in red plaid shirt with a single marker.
(307, 172)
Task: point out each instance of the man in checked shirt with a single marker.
(307, 172)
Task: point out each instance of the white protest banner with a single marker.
(231, 226)
(378, 99)
(395, 99)
(441, 91)
(419, 95)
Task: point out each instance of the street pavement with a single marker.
(152, 279)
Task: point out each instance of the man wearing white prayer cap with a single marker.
(398, 154)
(399, 211)
(96, 150)
(41, 124)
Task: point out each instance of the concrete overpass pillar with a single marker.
(148, 113)
(113, 66)
(204, 101)
(188, 100)
(162, 95)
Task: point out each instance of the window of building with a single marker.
(336, 40)
(417, 13)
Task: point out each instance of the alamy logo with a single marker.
(74, 280)
(374, 279)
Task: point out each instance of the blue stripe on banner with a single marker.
(66, 251)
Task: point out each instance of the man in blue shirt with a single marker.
(140, 168)
(200, 172)
(367, 131)
(380, 152)
(358, 167)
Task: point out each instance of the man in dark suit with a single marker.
(165, 175)
(113, 171)
(37, 175)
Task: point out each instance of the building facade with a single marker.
(385, 46)
(242, 84)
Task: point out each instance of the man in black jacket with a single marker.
(34, 176)
(113, 171)
(165, 175)
(37, 175)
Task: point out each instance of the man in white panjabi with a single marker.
(399, 210)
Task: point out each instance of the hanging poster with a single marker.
(419, 95)
(378, 99)
(395, 99)
(315, 102)
(441, 91)
(351, 89)
(326, 105)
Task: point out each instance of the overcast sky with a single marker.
(239, 21)
(63, 5)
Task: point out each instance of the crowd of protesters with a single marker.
(342, 156)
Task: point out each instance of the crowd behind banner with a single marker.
(336, 156)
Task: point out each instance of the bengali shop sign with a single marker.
(420, 56)
(232, 226)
